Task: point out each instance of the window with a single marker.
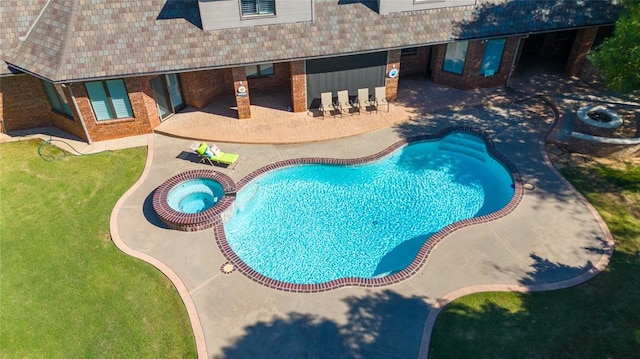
(492, 57)
(109, 99)
(258, 7)
(262, 70)
(454, 57)
(409, 51)
(56, 98)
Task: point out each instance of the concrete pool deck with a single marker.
(553, 239)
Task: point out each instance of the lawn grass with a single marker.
(66, 291)
(597, 319)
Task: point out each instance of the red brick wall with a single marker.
(24, 103)
(280, 79)
(391, 84)
(471, 77)
(201, 87)
(21, 112)
(239, 76)
(298, 86)
(72, 125)
(553, 46)
(445, 78)
(580, 50)
(143, 105)
(415, 64)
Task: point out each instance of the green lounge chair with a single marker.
(214, 154)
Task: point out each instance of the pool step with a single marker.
(470, 146)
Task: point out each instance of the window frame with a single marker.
(451, 69)
(62, 104)
(111, 108)
(259, 73)
(409, 51)
(496, 69)
(256, 3)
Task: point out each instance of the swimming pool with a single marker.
(319, 223)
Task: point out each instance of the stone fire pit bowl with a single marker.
(597, 121)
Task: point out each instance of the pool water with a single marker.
(195, 196)
(315, 223)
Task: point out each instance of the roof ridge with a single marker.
(69, 26)
(22, 38)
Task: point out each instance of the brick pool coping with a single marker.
(188, 222)
(425, 250)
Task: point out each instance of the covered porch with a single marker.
(272, 122)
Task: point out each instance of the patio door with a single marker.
(166, 90)
(350, 73)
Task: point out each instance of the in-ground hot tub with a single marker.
(193, 200)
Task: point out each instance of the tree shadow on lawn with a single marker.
(596, 319)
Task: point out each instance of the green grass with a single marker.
(597, 319)
(66, 291)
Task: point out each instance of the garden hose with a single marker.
(51, 158)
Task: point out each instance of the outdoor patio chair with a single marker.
(381, 97)
(364, 102)
(345, 104)
(214, 154)
(327, 105)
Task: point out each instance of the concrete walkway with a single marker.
(553, 239)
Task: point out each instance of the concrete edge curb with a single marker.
(598, 267)
(198, 333)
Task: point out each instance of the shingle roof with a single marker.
(83, 39)
(16, 17)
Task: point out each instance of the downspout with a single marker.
(515, 56)
(75, 104)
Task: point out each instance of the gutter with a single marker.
(515, 57)
(215, 67)
(75, 105)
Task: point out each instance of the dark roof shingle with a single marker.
(84, 39)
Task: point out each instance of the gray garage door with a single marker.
(344, 73)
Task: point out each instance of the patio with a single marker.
(553, 239)
(272, 123)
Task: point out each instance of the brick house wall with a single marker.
(298, 86)
(142, 103)
(391, 84)
(21, 112)
(281, 79)
(556, 44)
(579, 51)
(199, 88)
(72, 124)
(239, 79)
(471, 77)
(415, 64)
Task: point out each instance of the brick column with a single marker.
(580, 50)
(298, 86)
(239, 76)
(391, 84)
